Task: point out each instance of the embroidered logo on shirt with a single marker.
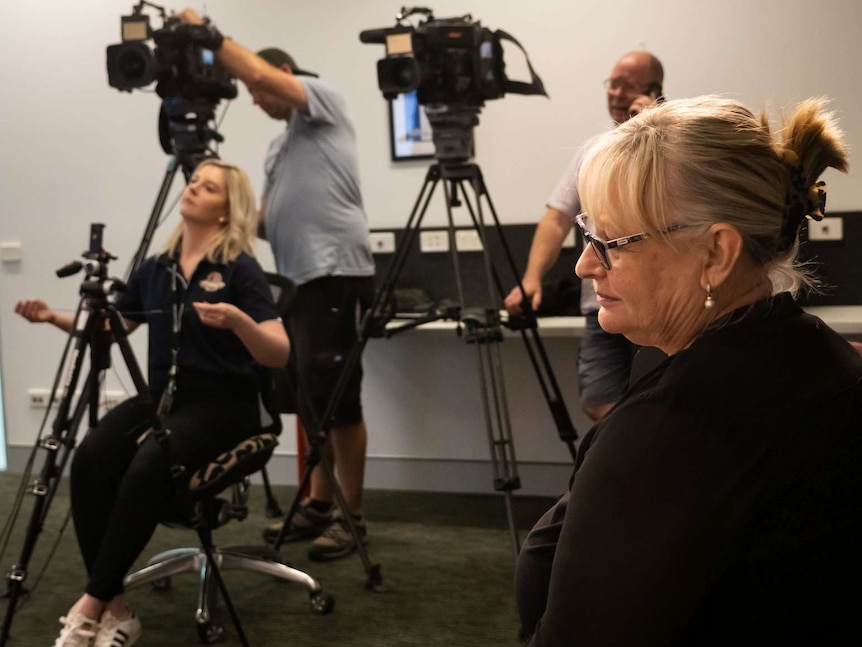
(213, 282)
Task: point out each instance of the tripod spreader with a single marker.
(483, 326)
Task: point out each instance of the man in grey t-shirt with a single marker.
(604, 361)
(313, 218)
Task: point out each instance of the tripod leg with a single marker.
(155, 215)
(382, 308)
(207, 543)
(60, 442)
(373, 324)
(535, 348)
(451, 193)
(272, 507)
(294, 506)
(316, 435)
(497, 422)
(58, 445)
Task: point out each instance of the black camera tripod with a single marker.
(185, 134)
(97, 324)
(483, 329)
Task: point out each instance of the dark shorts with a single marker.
(604, 364)
(323, 325)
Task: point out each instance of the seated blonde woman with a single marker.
(207, 284)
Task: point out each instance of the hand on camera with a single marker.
(218, 315)
(34, 310)
(514, 301)
(206, 33)
(189, 16)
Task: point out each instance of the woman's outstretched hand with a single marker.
(35, 311)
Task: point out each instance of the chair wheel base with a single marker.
(321, 603)
(210, 633)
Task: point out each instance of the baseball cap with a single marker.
(279, 57)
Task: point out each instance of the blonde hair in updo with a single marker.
(705, 160)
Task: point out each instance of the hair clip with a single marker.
(817, 201)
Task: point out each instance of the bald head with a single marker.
(632, 79)
(643, 60)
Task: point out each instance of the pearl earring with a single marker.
(710, 302)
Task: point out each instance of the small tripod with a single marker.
(483, 326)
(97, 324)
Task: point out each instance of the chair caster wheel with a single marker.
(161, 584)
(321, 603)
(210, 633)
(273, 512)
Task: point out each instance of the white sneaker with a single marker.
(78, 631)
(116, 632)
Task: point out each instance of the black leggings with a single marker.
(121, 490)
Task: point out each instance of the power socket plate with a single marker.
(468, 240)
(382, 242)
(826, 229)
(434, 240)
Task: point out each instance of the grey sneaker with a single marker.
(78, 631)
(116, 632)
(337, 541)
(307, 522)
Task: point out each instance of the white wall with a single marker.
(75, 151)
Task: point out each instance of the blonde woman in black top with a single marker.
(720, 501)
(211, 317)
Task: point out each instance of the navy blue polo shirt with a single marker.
(207, 354)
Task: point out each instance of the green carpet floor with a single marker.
(446, 559)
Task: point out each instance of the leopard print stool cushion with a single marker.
(246, 458)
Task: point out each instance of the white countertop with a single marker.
(846, 320)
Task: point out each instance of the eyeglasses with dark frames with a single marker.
(613, 85)
(602, 247)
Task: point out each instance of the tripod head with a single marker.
(97, 283)
(186, 130)
(452, 130)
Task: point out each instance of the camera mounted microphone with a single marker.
(374, 36)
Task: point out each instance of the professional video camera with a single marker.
(454, 65)
(188, 77)
(183, 63)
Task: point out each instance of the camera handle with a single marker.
(97, 322)
(406, 12)
(139, 8)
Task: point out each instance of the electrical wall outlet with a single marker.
(10, 252)
(434, 240)
(382, 242)
(468, 240)
(38, 398)
(826, 229)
